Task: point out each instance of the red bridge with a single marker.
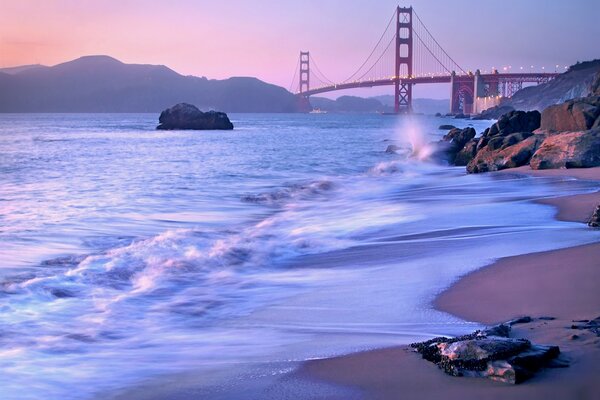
(409, 55)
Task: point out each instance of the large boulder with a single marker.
(573, 115)
(187, 116)
(568, 150)
(500, 153)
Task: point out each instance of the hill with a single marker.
(574, 83)
(104, 84)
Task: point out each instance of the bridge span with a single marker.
(409, 55)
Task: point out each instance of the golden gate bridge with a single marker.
(407, 54)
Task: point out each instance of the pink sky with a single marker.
(263, 38)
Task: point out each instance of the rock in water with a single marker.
(187, 116)
(392, 149)
(452, 143)
(447, 127)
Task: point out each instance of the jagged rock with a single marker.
(460, 116)
(573, 115)
(594, 222)
(447, 127)
(494, 112)
(488, 354)
(466, 154)
(503, 153)
(568, 150)
(187, 116)
(453, 142)
(392, 149)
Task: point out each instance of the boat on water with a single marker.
(317, 111)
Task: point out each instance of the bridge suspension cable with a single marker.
(373, 50)
(429, 41)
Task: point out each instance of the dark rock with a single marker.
(501, 330)
(568, 150)
(520, 320)
(453, 142)
(447, 127)
(392, 149)
(466, 154)
(574, 337)
(593, 326)
(460, 116)
(547, 318)
(488, 354)
(438, 114)
(594, 221)
(573, 115)
(187, 116)
(494, 112)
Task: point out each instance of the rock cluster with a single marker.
(488, 354)
(563, 136)
(508, 143)
(187, 116)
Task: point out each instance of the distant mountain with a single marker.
(384, 103)
(351, 104)
(21, 68)
(104, 84)
(574, 83)
(422, 106)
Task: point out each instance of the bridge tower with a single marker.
(304, 71)
(404, 60)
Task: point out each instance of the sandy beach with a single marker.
(562, 284)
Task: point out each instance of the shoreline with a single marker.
(558, 283)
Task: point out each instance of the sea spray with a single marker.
(410, 130)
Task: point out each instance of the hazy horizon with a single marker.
(263, 39)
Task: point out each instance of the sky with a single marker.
(262, 38)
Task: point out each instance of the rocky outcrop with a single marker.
(187, 116)
(573, 115)
(578, 81)
(568, 150)
(466, 154)
(508, 143)
(511, 152)
(447, 127)
(594, 221)
(488, 354)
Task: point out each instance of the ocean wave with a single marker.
(290, 192)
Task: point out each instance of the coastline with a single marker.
(558, 283)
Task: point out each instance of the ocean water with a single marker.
(129, 254)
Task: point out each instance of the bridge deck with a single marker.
(522, 77)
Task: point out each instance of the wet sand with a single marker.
(563, 284)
